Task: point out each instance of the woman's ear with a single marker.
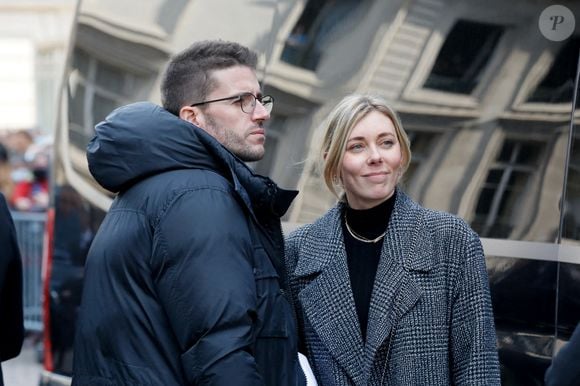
(400, 173)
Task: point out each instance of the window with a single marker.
(422, 144)
(571, 229)
(463, 57)
(98, 89)
(507, 182)
(309, 37)
(558, 84)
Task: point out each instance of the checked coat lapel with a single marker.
(327, 299)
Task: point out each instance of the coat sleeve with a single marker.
(291, 255)
(11, 316)
(564, 370)
(473, 339)
(206, 285)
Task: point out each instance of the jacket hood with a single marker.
(140, 140)
(143, 139)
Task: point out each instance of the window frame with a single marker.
(415, 90)
(531, 188)
(541, 66)
(132, 84)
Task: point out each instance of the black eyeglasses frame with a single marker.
(239, 98)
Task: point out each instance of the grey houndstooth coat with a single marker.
(430, 317)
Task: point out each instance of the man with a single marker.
(11, 316)
(183, 279)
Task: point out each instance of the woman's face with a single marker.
(372, 161)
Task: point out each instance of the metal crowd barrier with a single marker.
(30, 232)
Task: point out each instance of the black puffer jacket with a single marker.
(11, 317)
(182, 281)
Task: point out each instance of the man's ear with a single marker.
(190, 114)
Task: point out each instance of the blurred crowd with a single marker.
(24, 169)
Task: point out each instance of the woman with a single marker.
(386, 291)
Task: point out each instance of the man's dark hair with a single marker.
(187, 78)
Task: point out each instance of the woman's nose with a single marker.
(374, 155)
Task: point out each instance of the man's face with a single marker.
(240, 132)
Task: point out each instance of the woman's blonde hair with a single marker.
(338, 126)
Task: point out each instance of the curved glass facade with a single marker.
(486, 97)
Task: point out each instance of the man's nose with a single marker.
(260, 112)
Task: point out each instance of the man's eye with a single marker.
(246, 99)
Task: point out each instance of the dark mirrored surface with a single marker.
(568, 301)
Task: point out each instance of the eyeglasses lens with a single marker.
(249, 103)
(267, 102)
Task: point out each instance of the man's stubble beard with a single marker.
(234, 143)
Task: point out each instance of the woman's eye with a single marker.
(388, 142)
(356, 146)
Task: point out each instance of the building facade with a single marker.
(34, 37)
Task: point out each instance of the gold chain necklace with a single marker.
(359, 237)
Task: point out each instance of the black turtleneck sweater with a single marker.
(363, 258)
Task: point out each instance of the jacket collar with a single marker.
(258, 192)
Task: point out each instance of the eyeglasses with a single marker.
(247, 102)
